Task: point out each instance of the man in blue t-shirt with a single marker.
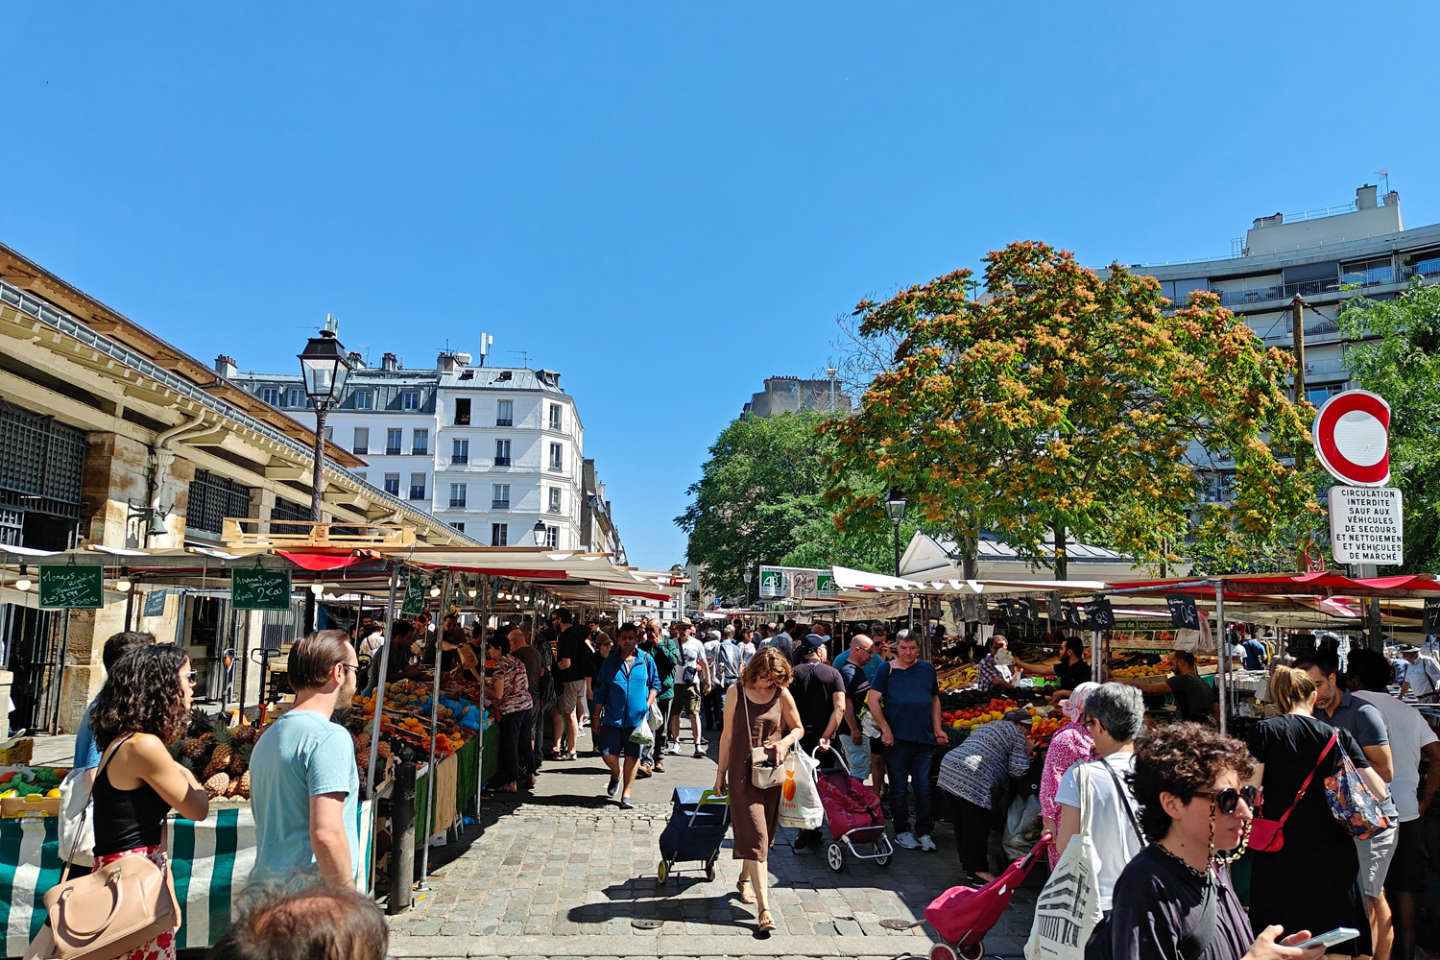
(304, 786)
(904, 700)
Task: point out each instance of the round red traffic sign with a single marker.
(1352, 438)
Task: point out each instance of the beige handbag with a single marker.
(764, 773)
(121, 906)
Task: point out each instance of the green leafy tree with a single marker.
(1400, 360)
(760, 500)
(1063, 406)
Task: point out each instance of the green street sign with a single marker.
(255, 588)
(414, 596)
(72, 587)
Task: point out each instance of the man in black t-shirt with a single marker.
(819, 694)
(571, 657)
(1194, 700)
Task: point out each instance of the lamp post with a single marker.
(895, 513)
(746, 575)
(326, 369)
(539, 531)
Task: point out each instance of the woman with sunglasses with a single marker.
(1174, 901)
(1316, 847)
(142, 709)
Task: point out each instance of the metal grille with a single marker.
(289, 510)
(212, 499)
(42, 460)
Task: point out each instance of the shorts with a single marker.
(1411, 863)
(572, 696)
(1375, 856)
(615, 742)
(687, 698)
(877, 746)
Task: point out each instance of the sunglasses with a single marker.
(1228, 799)
(350, 666)
(192, 676)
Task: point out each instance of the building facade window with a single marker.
(459, 525)
(555, 421)
(462, 411)
(505, 413)
(270, 395)
(499, 534)
(500, 496)
(392, 441)
(361, 443)
(502, 453)
(552, 537)
(460, 451)
(294, 397)
(329, 434)
(417, 486)
(557, 457)
(420, 442)
(409, 399)
(364, 399)
(392, 484)
(554, 500)
(212, 499)
(457, 495)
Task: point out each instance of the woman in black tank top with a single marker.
(144, 705)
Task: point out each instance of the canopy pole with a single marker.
(376, 720)
(1222, 650)
(432, 793)
(486, 594)
(1097, 664)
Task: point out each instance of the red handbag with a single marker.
(1268, 836)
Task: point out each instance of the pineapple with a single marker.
(220, 759)
(200, 722)
(244, 785)
(195, 748)
(240, 761)
(217, 785)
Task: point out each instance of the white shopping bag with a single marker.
(75, 819)
(799, 800)
(642, 734)
(1069, 904)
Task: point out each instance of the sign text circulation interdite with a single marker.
(1367, 525)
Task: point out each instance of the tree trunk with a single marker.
(1062, 562)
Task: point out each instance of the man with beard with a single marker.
(303, 779)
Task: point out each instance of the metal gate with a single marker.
(34, 645)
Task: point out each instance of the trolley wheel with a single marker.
(710, 869)
(662, 872)
(883, 862)
(976, 951)
(835, 857)
(941, 952)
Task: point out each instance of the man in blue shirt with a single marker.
(303, 780)
(1254, 654)
(625, 689)
(904, 700)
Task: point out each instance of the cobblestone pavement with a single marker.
(570, 874)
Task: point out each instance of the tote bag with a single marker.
(1352, 803)
(1069, 904)
(799, 800)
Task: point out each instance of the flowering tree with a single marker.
(1064, 405)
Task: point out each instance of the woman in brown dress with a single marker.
(761, 707)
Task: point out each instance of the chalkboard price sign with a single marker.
(155, 603)
(414, 596)
(1432, 616)
(255, 588)
(1183, 613)
(72, 587)
(1099, 614)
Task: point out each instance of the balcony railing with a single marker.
(460, 458)
(417, 493)
(457, 503)
(499, 504)
(504, 421)
(502, 461)
(1377, 277)
(392, 451)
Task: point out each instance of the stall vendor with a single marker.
(1069, 673)
(1194, 700)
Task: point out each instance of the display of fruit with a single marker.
(217, 785)
(1043, 728)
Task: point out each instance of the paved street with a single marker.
(569, 874)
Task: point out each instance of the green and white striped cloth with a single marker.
(210, 861)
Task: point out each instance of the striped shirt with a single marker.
(992, 754)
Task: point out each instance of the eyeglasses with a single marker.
(349, 666)
(1228, 799)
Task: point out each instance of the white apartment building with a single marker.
(495, 452)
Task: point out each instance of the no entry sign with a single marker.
(1352, 438)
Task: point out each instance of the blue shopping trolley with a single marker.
(699, 820)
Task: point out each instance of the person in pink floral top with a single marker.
(1071, 744)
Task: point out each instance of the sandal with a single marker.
(767, 922)
(743, 889)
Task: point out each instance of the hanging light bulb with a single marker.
(23, 583)
(123, 586)
(435, 590)
(473, 593)
(317, 588)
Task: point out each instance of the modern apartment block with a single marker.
(793, 395)
(1324, 257)
(495, 452)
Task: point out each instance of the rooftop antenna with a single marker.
(332, 323)
(524, 358)
(486, 342)
(1384, 176)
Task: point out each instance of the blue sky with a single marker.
(665, 202)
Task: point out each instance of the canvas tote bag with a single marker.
(1069, 904)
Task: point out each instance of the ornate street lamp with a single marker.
(326, 369)
(895, 513)
(539, 531)
(747, 576)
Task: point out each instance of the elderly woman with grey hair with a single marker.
(1114, 715)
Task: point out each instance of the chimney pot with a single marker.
(1365, 197)
(389, 362)
(225, 366)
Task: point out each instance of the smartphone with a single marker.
(1338, 935)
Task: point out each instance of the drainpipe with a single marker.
(163, 457)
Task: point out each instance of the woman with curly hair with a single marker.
(143, 707)
(1174, 899)
(760, 707)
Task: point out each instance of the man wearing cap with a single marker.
(819, 694)
(975, 775)
(1422, 675)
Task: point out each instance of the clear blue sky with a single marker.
(665, 202)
